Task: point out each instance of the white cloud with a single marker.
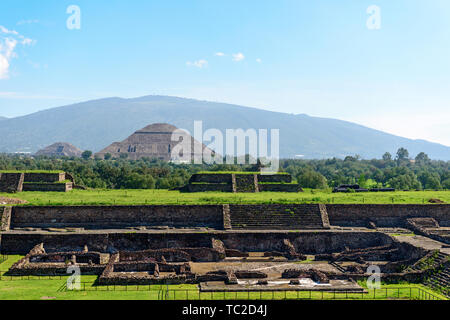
(219, 54)
(6, 31)
(8, 43)
(199, 63)
(21, 22)
(4, 67)
(258, 60)
(238, 57)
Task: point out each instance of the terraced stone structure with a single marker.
(232, 247)
(241, 182)
(16, 181)
(154, 142)
(60, 149)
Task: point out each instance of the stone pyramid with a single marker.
(60, 149)
(153, 141)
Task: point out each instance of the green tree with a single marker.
(387, 157)
(405, 182)
(402, 155)
(429, 180)
(86, 154)
(362, 181)
(311, 179)
(446, 184)
(422, 159)
(108, 156)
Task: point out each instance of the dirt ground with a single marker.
(4, 200)
(273, 269)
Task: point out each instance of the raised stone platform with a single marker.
(241, 182)
(35, 181)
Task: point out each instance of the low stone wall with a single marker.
(105, 217)
(304, 242)
(209, 187)
(48, 187)
(11, 182)
(422, 226)
(224, 216)
(211, 178)
(276, 178)
(280, 187)
(44, 177)
(175, 255)
(5, 218)
(386, 215)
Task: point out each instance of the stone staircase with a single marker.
(439, 265)
(245, 182)
(337, 266)
(275, 217)
(441, 278)
(424, 223)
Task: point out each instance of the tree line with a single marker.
(399, 171)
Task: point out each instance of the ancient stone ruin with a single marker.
(357, 188)
(60, 149)
(16, 181)
(241, 182)
(155, 142)
(232, 247)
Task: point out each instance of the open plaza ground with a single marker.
(166, 197)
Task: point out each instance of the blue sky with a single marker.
(314, 57)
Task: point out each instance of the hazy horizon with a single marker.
(315, 58)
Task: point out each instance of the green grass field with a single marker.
(142, 197)
(35, 288)
(31, 171)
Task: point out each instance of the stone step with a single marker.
(277, 219)
(273, 224)
(272, 219)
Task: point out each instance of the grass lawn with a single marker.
(16, 289)
(142, 197)
(31, 171)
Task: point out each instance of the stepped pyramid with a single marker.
(60, 149)
(153, 141)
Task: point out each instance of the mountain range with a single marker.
(95, 124)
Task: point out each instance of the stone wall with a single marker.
(11, 182)
(279, 187)
(386, 215)
(275, 178)
(31, 181)
(239, 182)
(209, 187)
(211, 178)
(265, 216)
(200, 254)
(47, 187)
(304, 242)
(44, 177)
(5, 218)
(106, 217)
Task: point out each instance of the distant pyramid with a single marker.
(60, 149)
(153, 141)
